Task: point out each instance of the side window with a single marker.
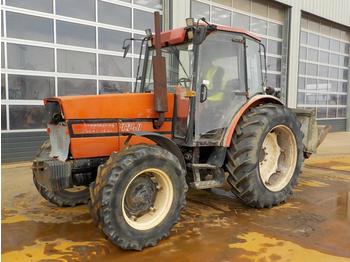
(254, 69)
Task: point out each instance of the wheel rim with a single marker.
(147, 199)
(278, 157)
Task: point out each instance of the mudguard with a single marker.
(163, 142)
(258, 99)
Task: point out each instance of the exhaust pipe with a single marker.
(159, 76)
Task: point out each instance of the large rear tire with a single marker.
(138, 195)
(64, 198)
(265, 156)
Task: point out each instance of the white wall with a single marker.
(335, 10)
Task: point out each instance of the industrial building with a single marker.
(65, 47)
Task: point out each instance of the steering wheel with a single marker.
(183, 82)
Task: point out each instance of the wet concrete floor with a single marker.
(313, 226)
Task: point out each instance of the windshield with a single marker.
(179, 67)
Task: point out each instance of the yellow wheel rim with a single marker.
(162, 202)
(278, 158)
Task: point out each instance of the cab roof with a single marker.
(178, 35)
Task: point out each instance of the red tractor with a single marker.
(201, 109)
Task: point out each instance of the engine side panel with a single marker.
(97, 138)
(98, 125)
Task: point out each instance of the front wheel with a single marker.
(138, 196)
(265, 156)
(66, 197)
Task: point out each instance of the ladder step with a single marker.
(206, 184)
(203, 166)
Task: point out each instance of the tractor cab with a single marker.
(213, 70)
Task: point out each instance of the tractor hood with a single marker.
(111, 106)
(97, 125)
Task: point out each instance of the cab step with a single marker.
(203, 166)
(206, 184)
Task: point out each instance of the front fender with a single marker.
(163, 142)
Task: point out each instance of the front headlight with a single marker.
(53, 112)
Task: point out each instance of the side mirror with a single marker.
(269, 90)
(126, 49)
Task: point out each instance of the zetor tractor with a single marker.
(200, 110)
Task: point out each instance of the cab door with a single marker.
(220, 86)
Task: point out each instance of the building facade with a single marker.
(73, 47)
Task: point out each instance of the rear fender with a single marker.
(255, 100)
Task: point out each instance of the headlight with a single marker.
(53, 112)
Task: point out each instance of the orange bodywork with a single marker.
(127, 105)
(178, 35)
(99, 124)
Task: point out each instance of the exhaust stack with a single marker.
(159, 76)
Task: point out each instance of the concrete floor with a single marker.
(313, 226)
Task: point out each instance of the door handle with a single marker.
(204, 93)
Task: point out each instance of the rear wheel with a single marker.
(66, 197)
(265, 156)
(138, 196)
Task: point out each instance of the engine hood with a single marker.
(126, 105)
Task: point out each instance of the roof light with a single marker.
(148, 32)
(189, 21)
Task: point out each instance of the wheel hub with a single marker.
(271, 152)
(140, 196)
(147, 199)
(277, 159)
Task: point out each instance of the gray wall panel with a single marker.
(17, 147)
(337, 10)
(337, 124)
